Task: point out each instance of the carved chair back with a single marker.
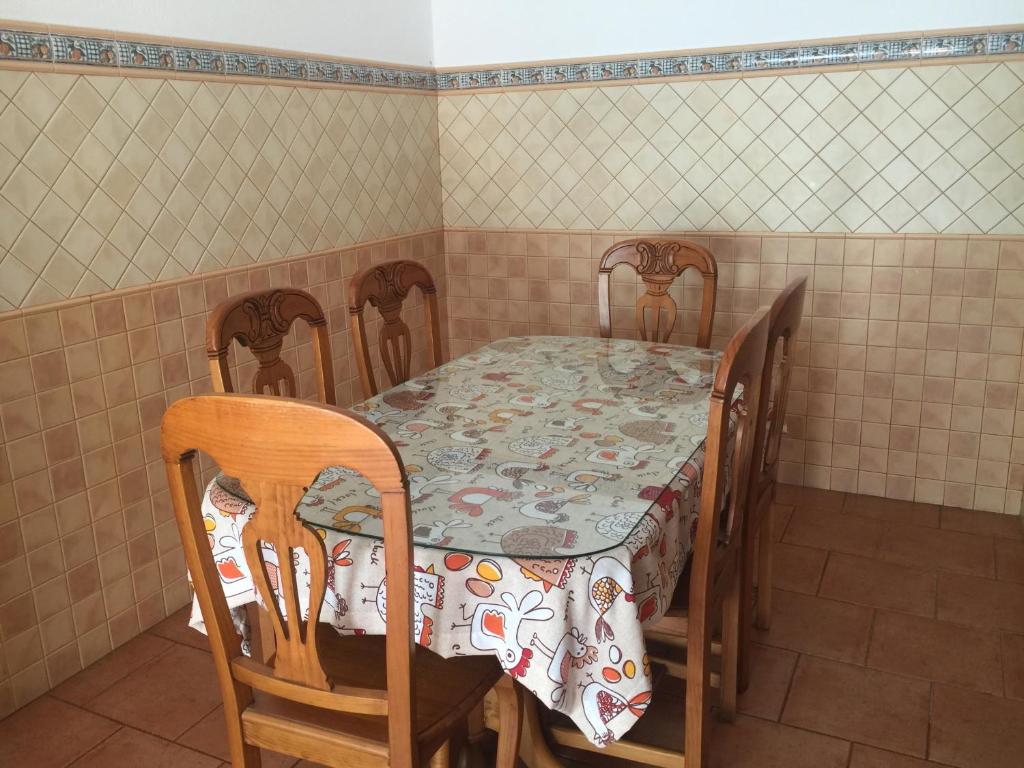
(260, 320)
(715, 569)
(758, 541)
(785, 315)
(659, 263)
(385, 287)
(265, 443)
(734, 408)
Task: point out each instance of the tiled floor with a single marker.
(897, 642)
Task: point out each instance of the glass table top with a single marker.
(531, 447)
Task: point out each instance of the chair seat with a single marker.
(446, 690)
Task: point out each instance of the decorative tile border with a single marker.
(66, 48)
(59, 47)
(101, 51)
(955, 45)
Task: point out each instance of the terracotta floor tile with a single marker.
(50, 734)
(817, 626)
(947, 550)
(96, 678)
(754, 743)
(859, 704)
(981, 602)
(166, 697)
(129, 748)
(893, 510)
(798, 569)
(937, 650)
(1010, 560)
(834, 531)
(815, 498)
(986, 523)
(175, 627)
(974, 730)
(879, 584)
(782, 515)
(1013, 665)
(770, 672)
(209, 735)
(869, 757)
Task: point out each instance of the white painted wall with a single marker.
(449, 33)
(396, 31)
(468, 32)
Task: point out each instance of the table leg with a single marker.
(533, 749)
(471, 755)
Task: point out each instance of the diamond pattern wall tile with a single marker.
(928, 149)
(107, 182)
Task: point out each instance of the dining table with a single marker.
(554, 486)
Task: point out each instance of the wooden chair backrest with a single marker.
(259, 321)
(741, 364)
(784, 318)
(276, 447)
(385, 287)
(659, 263)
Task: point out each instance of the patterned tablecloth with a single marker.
(554, 485)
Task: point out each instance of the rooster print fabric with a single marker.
(554, 484)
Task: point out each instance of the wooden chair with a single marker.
(260, 320)
(712, 595)
(785, 316)
(341, 701)
(659, 263)
(386, 286)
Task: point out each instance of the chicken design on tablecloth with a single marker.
(608, 580)
(553, 485)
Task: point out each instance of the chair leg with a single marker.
(731, 617)
(442, 758)
(236, 698)
(747, 571)
(698, 705)
(243, 755)
(766, 547)
(510, 722)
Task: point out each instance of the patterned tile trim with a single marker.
(953, 45)
(99, 51)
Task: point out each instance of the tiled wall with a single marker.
(109, 181)
(89, 551)
(908, 382)
(922, 149)
(139, 202)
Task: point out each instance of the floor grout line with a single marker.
(96, 746)
(928, 729)
(103, 690)
(871, 637)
